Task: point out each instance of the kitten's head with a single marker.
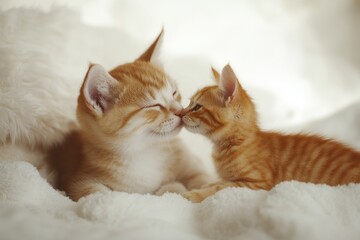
(134, 99)
(214, 110)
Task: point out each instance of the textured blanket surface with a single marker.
(31, 209)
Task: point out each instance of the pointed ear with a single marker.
(230, 85)
(97, 89)
(216, 75)
(147, 55)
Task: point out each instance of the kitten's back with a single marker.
(314, 159)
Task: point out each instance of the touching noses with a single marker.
(180, 113)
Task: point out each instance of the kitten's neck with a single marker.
(236, 134)
(236, 131)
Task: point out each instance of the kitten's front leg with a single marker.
(82, 189)
(173, 187)
(193, 174)
(199, 195)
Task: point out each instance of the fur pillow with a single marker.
(43, 59)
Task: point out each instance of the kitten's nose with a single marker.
(180, 113)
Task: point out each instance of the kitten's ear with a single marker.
(230, 85)
(97, 89)
(148, 54)
(216, 75)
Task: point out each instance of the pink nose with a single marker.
(180, 113)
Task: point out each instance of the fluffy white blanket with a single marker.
(31, 209)
(303, 76)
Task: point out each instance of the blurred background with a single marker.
(307, 52)
(298, 59)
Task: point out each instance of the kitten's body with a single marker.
(127, 140)
(270, 158)
(246, 156)
(89, 167)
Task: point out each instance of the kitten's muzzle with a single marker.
(180, 113)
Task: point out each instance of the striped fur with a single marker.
(127, 140)
(246, 156)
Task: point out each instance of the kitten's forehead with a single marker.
(207, 95)
(144, 84)
(163, 96)
(143, 73)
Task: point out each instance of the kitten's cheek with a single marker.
(190, 125)
(185, 120)
(188, 120)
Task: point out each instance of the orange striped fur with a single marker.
(246, 156)
(127, 137)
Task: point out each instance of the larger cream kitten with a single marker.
(127, 137)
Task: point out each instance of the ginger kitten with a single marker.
(127, 140)
(246, 156)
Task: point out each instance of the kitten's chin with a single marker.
(171, 133)
(194, 129)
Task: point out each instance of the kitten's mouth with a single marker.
(191, 126)
(196, 126)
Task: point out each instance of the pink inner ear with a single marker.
(229, 82)
(98, 98)
(97, 89)
(229, 88)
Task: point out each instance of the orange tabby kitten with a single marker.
(246, 156)
(127, 137)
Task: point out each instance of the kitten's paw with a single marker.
(194, 196)
(174, 187)
(211, 185)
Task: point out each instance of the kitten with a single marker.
(246, 156)
(129, 120)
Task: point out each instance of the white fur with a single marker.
(146, 166)
(44, 57)
(38, 93)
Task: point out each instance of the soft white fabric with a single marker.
(43, 60)
(299, 61)
(31, 209)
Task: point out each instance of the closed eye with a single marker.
(196, 107)
(174, 93)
